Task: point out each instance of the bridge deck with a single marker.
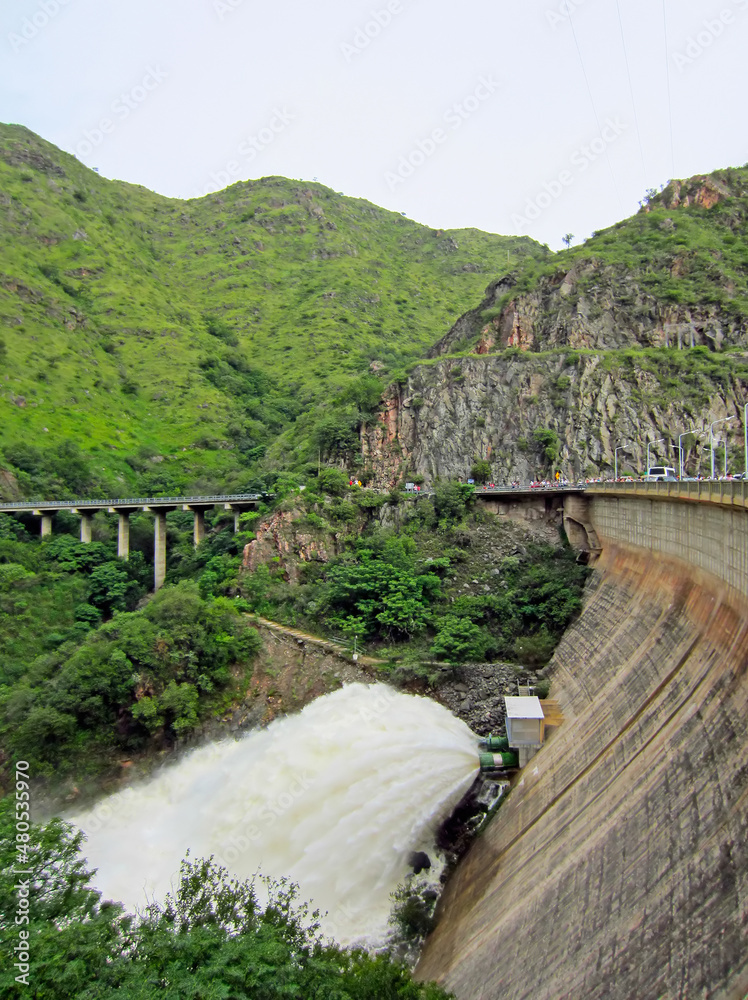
(29, 506)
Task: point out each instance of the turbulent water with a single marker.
(336, 798)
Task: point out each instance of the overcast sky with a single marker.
(536, 117)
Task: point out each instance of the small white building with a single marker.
(525, 723)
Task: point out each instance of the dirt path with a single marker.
(330, 644)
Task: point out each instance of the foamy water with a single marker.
(335, 798)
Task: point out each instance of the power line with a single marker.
(669, 95)
(631, 89)
(594, 109)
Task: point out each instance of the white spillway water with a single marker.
(335, 798)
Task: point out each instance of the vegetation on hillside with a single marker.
(212, 938)
(173, 341)
(446, 582)
(86, 678)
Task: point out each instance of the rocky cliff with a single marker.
(528, 413)
(673, 276)
(637, 336)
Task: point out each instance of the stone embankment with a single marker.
(618, 867)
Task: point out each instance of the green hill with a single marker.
(142, 327)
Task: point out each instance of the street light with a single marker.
(658, 441)
(615, 460)
(711, 440)
(680, 450)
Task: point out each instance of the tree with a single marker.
(481, 470)
(458, 640)
(566, 239)
(211, 938)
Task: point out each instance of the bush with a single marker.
(451, 501)
(535, 650)
(481, 470)
(459, 640)
(333, 482)
(213, 937)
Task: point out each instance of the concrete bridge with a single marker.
(158, 506)
(618, 866)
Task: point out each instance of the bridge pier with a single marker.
(46, 523)
(123, 536)
(159, 549)
(159, 543)
(86, 524)
(198, 528)
(158, 506)
(238, 509)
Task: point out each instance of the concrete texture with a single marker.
(159, 549)
(618, 867)
(123, 535)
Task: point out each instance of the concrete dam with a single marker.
(618, 866)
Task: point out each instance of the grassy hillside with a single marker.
(140, 326)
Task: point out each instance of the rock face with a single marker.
(592, 306)
(529, 413)
(618, 867)
(286, 539)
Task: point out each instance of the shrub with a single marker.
(458, 640)
(333, 482)
(481, 470)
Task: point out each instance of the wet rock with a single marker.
(419, 861)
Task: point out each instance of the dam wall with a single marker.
(618, 866)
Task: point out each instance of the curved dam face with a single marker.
(618, 866)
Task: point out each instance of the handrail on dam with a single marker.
(725, 493)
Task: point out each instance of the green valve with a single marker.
(492, 761)
(494, 743)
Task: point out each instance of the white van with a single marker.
(658, 473)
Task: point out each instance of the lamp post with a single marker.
(649, 444)
(680, 450)
(615, 460)
(711, 440)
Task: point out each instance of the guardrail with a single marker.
(723, 492)
(129, 502)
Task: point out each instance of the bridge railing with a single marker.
(128, 502)
(724, 492)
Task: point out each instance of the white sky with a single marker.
(186, 85)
